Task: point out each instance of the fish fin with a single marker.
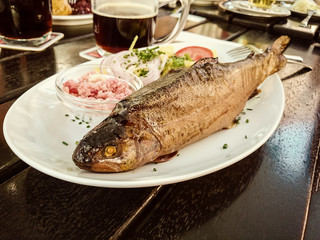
(175, 70)
(233, 124)
(206, 60)
(251, 55)
(165, 158)
(255, 93)
(280, 44)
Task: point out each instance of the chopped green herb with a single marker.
(77, 142)
(88, 126)
(67, 115)
(247, 121)
(249, 109)
(133, 42)
(73, 120)
(77, 118)
(80, 123)
(147, 54)
(154, 169)
(178, 62)
(225, 146)
(143, 72)
(245, 136)
(65, 143)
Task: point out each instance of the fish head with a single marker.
(116, 145)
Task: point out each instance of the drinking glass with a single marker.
(117, 23)
(25, 22)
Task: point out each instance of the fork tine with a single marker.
(72, 1)
(244, 51)
(239, 53)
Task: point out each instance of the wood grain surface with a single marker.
(271, 194)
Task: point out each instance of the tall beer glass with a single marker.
(117, 22)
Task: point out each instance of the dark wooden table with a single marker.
(271, 194)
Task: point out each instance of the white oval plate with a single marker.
(238, 8)
(35, 127)
(274, 11)
(72, 20)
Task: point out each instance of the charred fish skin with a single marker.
(179, 109)
(174, 105)
(119, 143)
(106, 132)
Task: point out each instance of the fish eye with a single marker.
(110, 151)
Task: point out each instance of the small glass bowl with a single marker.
(87, 108)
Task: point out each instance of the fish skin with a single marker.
(182, 107)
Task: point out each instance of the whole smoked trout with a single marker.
(180, 108)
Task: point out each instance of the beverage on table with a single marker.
(118, 23)
(25, 22)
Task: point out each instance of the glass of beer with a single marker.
(264, 4)
(25, 22)
(117, 23)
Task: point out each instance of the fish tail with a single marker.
(280, 45)
(275, 51)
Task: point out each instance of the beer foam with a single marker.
(125, 10)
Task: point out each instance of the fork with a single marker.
(305, 22)
(244, 51)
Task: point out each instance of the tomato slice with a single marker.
(195, 52)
